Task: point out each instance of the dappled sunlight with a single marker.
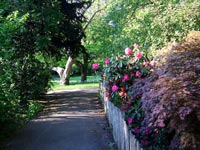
(70, 119)
(64, 101)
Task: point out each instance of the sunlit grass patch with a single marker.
(75, 86)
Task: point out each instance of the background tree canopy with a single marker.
(31, 33)
(152, 24)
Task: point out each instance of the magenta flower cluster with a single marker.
(107, 61)
(115, 88)
(95, 66)
(119, 74)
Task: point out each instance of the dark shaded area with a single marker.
(74, 101)
(72, 120)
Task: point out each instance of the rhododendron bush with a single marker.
(161, 98)
(119, 74)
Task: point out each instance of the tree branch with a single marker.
(90, 20)
(59, 70)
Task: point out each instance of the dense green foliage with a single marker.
(119, 75)
(151, 23)
(165, 121)
(31, 33)
(13, 89)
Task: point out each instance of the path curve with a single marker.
(73, 120)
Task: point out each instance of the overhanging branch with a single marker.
(90, 20)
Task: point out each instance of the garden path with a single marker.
(72, 120)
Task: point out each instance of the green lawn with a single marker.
(75, 86)
(77, 79)
(75, 83)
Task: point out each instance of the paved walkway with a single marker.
(73, 120)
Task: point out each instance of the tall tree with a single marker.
(150, 23)
(73, 14)
(50, 28)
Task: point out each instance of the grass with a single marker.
(77, 79)
(75, 83)
(75, 86)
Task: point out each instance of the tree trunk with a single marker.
(66, 74)
(83, 76)
(59, 70)
(80, 65)
(84, 68)
(83, 73)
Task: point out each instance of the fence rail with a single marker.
(124, 139)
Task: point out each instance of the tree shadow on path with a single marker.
(71, 120)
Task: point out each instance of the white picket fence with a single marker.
(124, 139)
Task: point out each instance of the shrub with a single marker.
(161, 105)
(171, 97)
(120, 72)
(23, 76)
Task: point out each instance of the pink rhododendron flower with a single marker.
(137, 74)
(138, 55)
(107, 61)
(130, 120)
(136, 46)
(146, 63)
(128, 51)
(121, 94)
(115, 88)
(126, 77)
(95, 66)
(152, 63)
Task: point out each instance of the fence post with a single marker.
(124, 139)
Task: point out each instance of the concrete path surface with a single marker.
(73, 120)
